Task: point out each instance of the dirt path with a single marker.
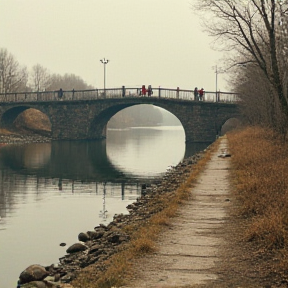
(191, 252)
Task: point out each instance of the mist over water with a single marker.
(51, 192)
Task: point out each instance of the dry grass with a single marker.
(113, 276)
(118, 269)
(260, 175)
(32, 120)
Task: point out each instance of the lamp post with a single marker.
(217, 72)
(104, 62)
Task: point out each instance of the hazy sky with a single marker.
(157, 42)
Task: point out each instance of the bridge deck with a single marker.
(78, 95)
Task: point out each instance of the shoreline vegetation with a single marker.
(260, 182)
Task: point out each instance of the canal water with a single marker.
(50, 192)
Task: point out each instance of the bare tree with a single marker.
(259, 103)
(22, 85)
(40, 78)
(13, 78)
(253, 29)
(67, 82)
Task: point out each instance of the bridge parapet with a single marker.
(84, 95)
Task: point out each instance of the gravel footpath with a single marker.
(188, 251)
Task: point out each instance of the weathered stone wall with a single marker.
(202, 121)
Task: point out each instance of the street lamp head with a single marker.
(104, 61)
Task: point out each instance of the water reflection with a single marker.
(78, 160)
(129, 158)
(150, 150)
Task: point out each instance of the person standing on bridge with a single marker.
(143, 90)
(201, 94)
(60, 93)
(196, 94)
(150, 91)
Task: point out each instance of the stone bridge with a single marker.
(87, 119)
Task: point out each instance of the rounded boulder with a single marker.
(77, 247)
(33, 273)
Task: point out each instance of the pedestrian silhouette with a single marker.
(143, 90)
(150, 91)
(196, 95)
(201, 94)
(60, 93)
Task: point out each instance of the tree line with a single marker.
(254, 36)
(17, 78)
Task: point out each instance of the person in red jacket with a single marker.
(143, 92)
(201, 94)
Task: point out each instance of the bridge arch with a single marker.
(230, 124)
(99, 123)
(10, 115)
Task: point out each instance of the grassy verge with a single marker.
(117, 270)
(260, 175)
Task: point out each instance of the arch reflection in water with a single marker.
(126, 154)
(76, 160)
(27, 156)
(133, 151)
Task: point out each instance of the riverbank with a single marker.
(253, 252)
(253, 249)
(101, 244)
(190, 250)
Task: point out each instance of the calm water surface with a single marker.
(51, 192)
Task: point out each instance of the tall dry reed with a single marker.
(260, 169)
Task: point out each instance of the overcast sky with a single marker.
(157, 42)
